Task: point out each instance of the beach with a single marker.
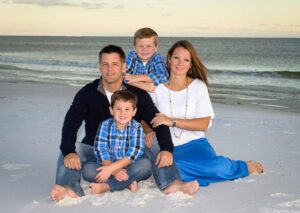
(31, 120)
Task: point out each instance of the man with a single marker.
(91, 105)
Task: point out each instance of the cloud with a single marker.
(167, 14)
(200, 28)
(50, 3)
(120, 6)
(280, 25)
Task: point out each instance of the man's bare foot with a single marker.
(98, 188)
(59, 192)
(255, 167)
(133, 187)
(185, 187)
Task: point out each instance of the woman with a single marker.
(185, 107)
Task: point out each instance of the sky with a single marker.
(200, 18)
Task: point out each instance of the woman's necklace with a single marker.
(186, 107)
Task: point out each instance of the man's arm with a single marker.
(72, 122)
(147, 111)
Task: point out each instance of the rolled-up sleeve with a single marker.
(158, 70)
(101, 149)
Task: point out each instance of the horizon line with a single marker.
(78, 36)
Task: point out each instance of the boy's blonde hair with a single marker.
(145, 32)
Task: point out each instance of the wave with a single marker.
(258, 91)
(276, 74)
(48, 62)
(41, 71)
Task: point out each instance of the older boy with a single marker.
(145, 67)
(119, 146)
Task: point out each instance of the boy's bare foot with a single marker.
(185, 187)
(59, 192)
(133, 186)
(255, 167)
(98, 188)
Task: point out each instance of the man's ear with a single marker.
(99, 68)
(124, 68)
(111, 110)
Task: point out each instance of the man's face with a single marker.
(112, 68)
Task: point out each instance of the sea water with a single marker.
(253, 69)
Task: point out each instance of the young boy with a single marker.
(119, 146)
(145, 68)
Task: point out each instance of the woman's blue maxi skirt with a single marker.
(197, 160)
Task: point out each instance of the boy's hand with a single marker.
(72, 161)
(104, 173)
(132, 78)
(121, 175)
(164, 158)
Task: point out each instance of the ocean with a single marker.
(257, 71)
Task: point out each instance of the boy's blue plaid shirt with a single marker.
(114, 144)
(155, 68)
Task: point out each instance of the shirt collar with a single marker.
(100, 87)
(129, 125)
(138, 58)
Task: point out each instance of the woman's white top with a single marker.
(199, 106)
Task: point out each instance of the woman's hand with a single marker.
(160, 119)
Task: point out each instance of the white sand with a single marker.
(30, 129)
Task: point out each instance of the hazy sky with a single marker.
(245, 18)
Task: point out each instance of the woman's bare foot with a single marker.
(133, 187)
(59, 192)
(98, 188)
(185, 187)
(255, 167)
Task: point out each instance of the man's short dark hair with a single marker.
(113, 49)
(124, 95)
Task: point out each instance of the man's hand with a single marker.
(72, 161)
(164, 158)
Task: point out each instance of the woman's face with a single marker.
(180, 61)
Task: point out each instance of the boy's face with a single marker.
(123, 111)
(145, 48)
